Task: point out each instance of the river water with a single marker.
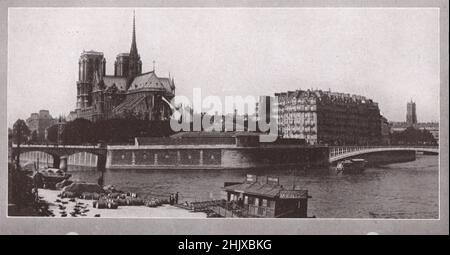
(402, 190)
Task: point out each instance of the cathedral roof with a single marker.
(128, 103)
(120, 82)
(166, 83)
(108, 82)
(151, 81)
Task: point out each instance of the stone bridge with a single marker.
(342, 152)
(60, 153)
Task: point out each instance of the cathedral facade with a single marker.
(128, 92)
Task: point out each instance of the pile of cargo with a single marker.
(107, 197)
(90, 196)
(126, 200)
(105, 203)
(155, 202)
(205, 205)
(81, 189)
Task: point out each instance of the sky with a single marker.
(388, 55)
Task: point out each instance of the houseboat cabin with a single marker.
(268, 199)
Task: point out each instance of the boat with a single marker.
(52, 176)
(28, 168)
(253, 198)
(351, 166)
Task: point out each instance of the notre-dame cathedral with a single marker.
(127, 92)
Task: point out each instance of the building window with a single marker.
(251, 200)
(256, 202)
(271, 204)
(264, 202)
(245, 200)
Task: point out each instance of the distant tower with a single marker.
(89, 63)
(134, 60)
(411, 117)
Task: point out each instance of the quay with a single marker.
(213, 150)
(164, 211)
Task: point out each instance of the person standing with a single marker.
(37, 180)
(240, 202)
(176, 198)
(100, 181)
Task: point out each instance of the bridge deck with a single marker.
(342, 152)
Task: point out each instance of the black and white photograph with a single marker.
(272, 114)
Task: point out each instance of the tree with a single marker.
(121, 130)
(413, 136)
(78, 131)
(129, 115)
(117, 130)
(52, 134)
(20, 135)
(34, 136)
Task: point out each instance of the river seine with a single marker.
(403, 190)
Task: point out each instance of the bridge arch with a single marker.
(82, 158)
(63, 152)
(31, 155)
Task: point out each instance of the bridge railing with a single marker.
(339, 150)
(58, 146)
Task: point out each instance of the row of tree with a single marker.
(413, 136)
(82, 131)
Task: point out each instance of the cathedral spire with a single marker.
(133, 49)
(134, 64)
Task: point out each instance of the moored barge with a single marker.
(260, 199)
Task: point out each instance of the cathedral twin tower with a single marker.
(127, 65)
(99, 95)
